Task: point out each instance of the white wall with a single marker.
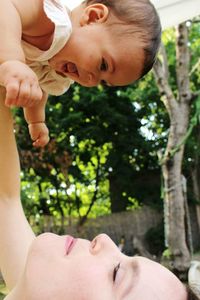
(171, 12)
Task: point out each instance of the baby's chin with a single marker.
(88, 85)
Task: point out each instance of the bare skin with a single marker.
(60, 267)
(90, 56)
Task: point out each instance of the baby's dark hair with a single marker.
(143, 22)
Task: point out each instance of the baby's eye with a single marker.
(104, 65)
(104, 83)
(116, 269)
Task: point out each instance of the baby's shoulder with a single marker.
(33, 17)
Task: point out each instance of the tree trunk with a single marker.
(175, 230)
(178, 110)
(195, 175)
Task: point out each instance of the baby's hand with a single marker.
(21, 83)
(39, 134)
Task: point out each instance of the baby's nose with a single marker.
(93, 79)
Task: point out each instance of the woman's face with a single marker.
(64, 268)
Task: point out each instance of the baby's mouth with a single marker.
(70, 68)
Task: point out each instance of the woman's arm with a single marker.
(16, 234)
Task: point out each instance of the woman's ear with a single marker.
(94, 13)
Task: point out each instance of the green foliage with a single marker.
(96, 152)
(167, 254)
(3, 291)
(2, 296)
(102, 156)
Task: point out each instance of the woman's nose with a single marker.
(102, 243)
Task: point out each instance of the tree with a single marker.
(97, 159)
(178, 104)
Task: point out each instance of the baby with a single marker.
(44, 48)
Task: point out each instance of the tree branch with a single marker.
(182, 65)
(94, 198)
(161, 73)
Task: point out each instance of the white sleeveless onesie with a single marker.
(51, 82)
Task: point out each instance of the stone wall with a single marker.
(126, 225)
(118, 226)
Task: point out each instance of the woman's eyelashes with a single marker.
(104, 65)
(116, 269)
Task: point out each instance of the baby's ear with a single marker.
(94, 13)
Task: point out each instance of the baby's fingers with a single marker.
(36, 94)
(30, 94)
(12, 91)
(41, 141)
(39, 134)
(24, 96)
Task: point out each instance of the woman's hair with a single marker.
(193, 293)
(141, 21)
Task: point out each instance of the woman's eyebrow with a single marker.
(131, 278)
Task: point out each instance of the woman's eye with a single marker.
(104, 65)
(116, 269)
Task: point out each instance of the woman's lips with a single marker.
(69, 244)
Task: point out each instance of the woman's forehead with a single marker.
(157, 282)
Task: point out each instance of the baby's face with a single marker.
(95, 54)
(64, 268)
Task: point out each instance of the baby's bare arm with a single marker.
(18, 18)
(36, 113)
(35, 117)
(10, 32)
(16, 235)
